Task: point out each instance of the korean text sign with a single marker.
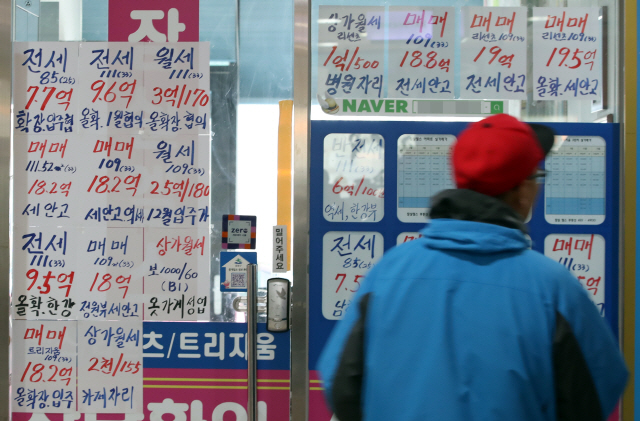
(354, 177)
(154, 20)
(346, 257)
(111, 215)
(568, 44)
(351, 52)
(494, 53)
(111, 150)
(421, 51)
(584, 256)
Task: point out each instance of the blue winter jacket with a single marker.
(467, 323)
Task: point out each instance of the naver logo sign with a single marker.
(375, 106)
(398, 107)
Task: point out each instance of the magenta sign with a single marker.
(154, 20)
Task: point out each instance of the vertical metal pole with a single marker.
(252, 338)
(6, 32)
(300, 247)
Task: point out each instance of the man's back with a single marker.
(467, 323)
(461, 324)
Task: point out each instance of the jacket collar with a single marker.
(468, 205)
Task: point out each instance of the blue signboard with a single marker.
(211, 345)
(583, 208)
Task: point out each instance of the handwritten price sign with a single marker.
(44, 171)
(44, 367)
(45, 87)
(176, 274)
(111, 271)
(110, 366)
(111, 177)
(583, 255)
(494, 53)
(353, 177)
(568, 45)
(346, 257)
(45, 272)
(100, 129)
(178, 194)
(111, 84)
(351, 51)
(421, 51)
(177, 86)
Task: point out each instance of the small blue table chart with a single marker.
(575, 183)
(423, 171)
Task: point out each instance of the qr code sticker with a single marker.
(238, 280)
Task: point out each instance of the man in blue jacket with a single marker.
(467, 323)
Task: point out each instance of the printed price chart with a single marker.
(575, 183)
(423, 171)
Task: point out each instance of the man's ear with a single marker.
(520, 198)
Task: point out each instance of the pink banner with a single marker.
(318, 410)
(154, 20)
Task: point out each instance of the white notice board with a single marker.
(567, 44)
(351, 51)
(493, 58)
(421, 52)
(353, 177)
(583, 255)
(346, 258)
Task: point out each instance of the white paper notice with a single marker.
(567, 44)
(353, 177)
(350, 52)
(583, 255)
(346, 257)
(43, 367)
(176, 87)
(110, 274)
(176, 284)
(110, 178)
(110, 367)
(46, 189)
(45, 87)
(178, 181)
(111, 92)
(421, 52)
(493, 53)
(111, 184)
(45, 278)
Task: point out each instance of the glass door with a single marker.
(151, 163)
